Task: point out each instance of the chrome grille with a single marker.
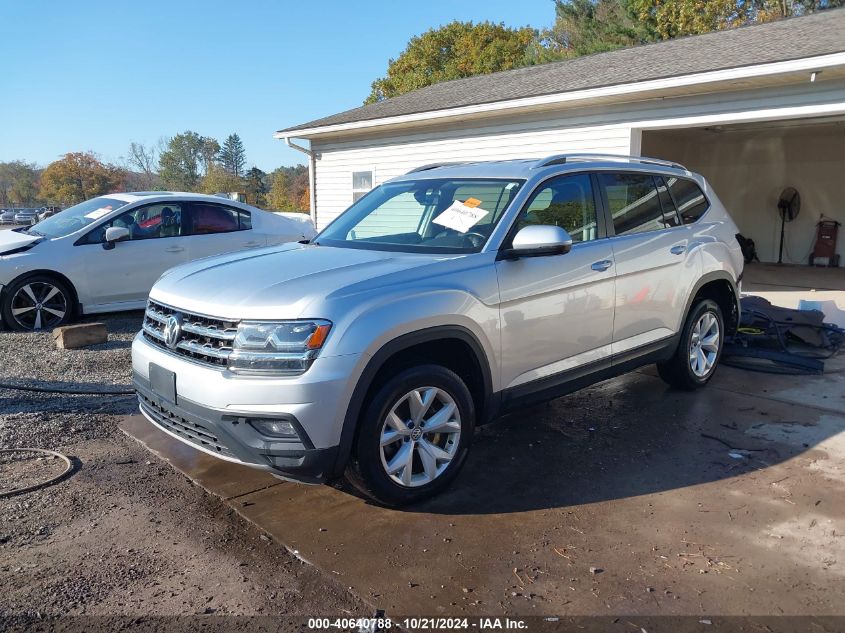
(204, 339)
(191, 431)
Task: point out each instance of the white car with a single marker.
(104, 255)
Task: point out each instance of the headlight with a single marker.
(279, 348)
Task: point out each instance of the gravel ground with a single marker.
(125, 534)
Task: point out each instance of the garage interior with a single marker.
(749, 165)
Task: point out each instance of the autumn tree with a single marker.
(459, 49)
(289, 189)
(18, 183)
(233, 156)
(79, 176)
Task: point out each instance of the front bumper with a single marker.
(231, 438)
(212, 410)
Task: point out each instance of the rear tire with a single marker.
(37, 302)
(699, 349)
(413, 437)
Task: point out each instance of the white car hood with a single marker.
(10, 240)
(274, 283)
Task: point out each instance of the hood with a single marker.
(14, 240)
(278, 283)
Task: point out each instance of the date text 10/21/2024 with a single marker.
(373, 625)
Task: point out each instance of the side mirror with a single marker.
(538, 241)
(115, 234)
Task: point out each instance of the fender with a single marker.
(715, 275)
(365, 381)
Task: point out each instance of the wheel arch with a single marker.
(453, 346)
(720, 287)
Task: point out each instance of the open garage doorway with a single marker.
(749, 165)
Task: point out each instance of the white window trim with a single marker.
(369, 168)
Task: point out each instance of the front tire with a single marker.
(699, 350)
(413, 437)
(38, 302)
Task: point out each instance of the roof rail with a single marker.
(433, 166)
(560, 159)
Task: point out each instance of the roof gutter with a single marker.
(312, 175)
(806, 64)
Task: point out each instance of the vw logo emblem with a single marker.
(173, 330)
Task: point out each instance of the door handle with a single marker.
(602, 265)
(680, 249)
(251, 244)
(175, 249)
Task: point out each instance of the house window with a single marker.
(362, 182)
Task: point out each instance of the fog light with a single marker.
(274, 428)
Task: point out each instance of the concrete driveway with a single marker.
(625, 498)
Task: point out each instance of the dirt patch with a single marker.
(126, 535)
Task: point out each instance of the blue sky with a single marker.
(95, 74)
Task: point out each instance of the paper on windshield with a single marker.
(96, 214)
(461, 216)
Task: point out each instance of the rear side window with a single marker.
(688, 198)
(633, 202)
(214, 218)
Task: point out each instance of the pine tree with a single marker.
(233, 156)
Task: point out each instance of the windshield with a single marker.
(420, 216)
(76, 217)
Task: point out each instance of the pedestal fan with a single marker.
(789, 205)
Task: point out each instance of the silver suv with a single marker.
(438, 301)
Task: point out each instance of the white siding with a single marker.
(603, 128)
(395, 156)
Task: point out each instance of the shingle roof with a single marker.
(794, 38)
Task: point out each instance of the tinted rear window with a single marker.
(633, 202)
(689, 199)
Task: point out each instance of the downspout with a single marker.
(312, 176)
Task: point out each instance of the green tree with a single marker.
(453, 51)
(674, 18)
(18, 183)
(180, 163)
(279, 198)
(210, 152)
(79, 176)
(233, 156)
(218, 180)
(256, 186)
(583, 27)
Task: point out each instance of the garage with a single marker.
(750, 165)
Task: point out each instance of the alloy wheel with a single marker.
(704, 344)
(420, 436)
(39, 305)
